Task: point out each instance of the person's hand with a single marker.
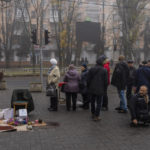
(134, 89)
(135, 121)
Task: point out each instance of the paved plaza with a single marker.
(76, 130)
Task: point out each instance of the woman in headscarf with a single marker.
(53, 77)
(71, 89)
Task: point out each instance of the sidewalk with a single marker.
(76, 131)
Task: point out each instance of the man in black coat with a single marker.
(97, 82)
(83, 86)
(119, 80)
(140, 106)
(130, 81)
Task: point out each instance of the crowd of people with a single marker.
(93, 83)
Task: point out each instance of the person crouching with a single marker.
(140, 107)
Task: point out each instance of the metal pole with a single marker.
(41, 45)
(103, 28)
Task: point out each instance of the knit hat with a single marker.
(53, 61)
(130, 61)
(84, 65)
(100, 60)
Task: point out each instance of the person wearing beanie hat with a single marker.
(83, 86)
(53, 78)
(53, 61)
(97, 81)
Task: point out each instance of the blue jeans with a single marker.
(123, 104)
(98, 100)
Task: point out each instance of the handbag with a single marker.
(51, 90)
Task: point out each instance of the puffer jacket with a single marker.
(72, 79)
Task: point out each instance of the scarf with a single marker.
(50, 69)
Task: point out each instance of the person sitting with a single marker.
(140, 107)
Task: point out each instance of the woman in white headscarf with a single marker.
(53, 77)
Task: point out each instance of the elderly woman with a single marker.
(53, 77)
(71, 89)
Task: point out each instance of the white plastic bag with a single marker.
(8, 113)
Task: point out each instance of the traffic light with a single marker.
(47, 37)
(34, 37)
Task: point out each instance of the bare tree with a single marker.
(131, 13)
(7, 26)
(65, 28)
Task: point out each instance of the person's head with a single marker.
(83, 67)
(100, 60)
(121, 58)
(53, 61)
(130, 63)
(71, 67)
(148, 63)
(144, 63)
(143, 90)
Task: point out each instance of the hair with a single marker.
(71, 67)
(121, 58)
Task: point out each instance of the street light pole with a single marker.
(103, 27)
(41, 45)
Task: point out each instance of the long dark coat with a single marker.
(97, 80)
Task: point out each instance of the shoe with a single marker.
(118, 108)
(86, 107)
(52, 109)
(81, 106)
(122, 111)
(104, 109)
(74, 109)
(96, 118)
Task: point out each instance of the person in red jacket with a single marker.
(105, 97)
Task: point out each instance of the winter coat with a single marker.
(97, 81)
(138, 107)
(131, 77)
(120, 76)
(72, 79)
(83, 82)
(54, 76)
(106, 66)
(142, 78)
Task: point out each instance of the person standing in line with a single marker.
(53, 78)
(119, 80)
(105, 97)
(71, 88)
(130, 80)
(83, 86)
(97, 85)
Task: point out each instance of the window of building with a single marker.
(33, 15)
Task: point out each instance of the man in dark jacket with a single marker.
(142, 77)
(119, 80)
(140, 106)
(83, 86)
(97, 84)
(130, 81)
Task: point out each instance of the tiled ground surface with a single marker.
(76, 131)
